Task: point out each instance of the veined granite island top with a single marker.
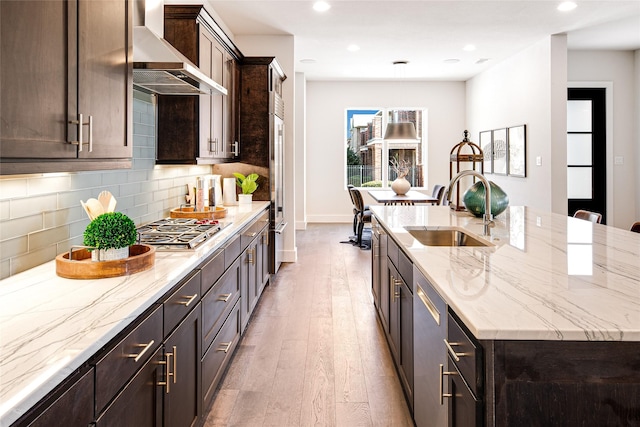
(547, 277)
(50, 326)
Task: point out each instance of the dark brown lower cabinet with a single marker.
(219, 354)
(182, 401)
(139, 403)
(73, 408)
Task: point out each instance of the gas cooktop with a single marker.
(178, 234)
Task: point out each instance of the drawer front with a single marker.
(218, 303)
(464, 408)
(392, 251)
(466, 353)
(218, 356)
(252, 231)
(405, 268)
(212, 269)
(231, 251)
(181, 302)
(129, 355)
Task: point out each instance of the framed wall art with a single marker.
(500, 152)
(487, 151)
(517, 142)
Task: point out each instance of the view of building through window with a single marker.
(368, 152)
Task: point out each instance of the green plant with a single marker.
(247, 183)
(111, 230)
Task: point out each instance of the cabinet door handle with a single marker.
(224, 297)
(441, 382)
(168, 373)
(136, 357)
(80, 122)
(189, 301)
(251, 257)
(225, 346)
(431, 307)
(455, 355)
(236, 148)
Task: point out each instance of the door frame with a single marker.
(608, 86)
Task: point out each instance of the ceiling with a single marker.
(429, 35)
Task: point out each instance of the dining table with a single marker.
(389, 197)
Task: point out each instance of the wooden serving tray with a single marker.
(141, 257)
(189, 212)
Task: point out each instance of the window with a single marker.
(368, 153)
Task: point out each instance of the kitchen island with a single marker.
(550, 307)
(50, 327)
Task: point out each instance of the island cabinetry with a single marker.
(67, 105)
(430, 355)
(199, 129)
(400, 332)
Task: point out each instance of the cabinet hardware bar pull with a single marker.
(236, 150)
(146, 348)
(441, 393)
(210, 142)
(280, 228)
(175, 365)
(224, 297)
(191, 299)
(167, 372)
(456, 356)
(90, 133)
(252, 234)
(431, 307)
(224, 346)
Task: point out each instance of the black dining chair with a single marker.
(438, 193)
(635, 227)
(594, 217)
(363, 214)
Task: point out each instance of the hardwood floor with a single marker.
(314, 353)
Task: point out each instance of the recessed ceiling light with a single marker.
(353, 48)
(469, 48)
(321, 6)
(566, 6)
(308, 61)
(451, 61)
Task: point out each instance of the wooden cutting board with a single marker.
(188, 212)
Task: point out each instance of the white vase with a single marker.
(245, 199)
(110, 254)
(400, 186)
(229, 192)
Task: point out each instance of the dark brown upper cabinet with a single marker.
(66, 77)
(199, 129)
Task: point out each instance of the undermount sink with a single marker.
(444, 236)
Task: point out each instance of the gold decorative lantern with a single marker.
(460, 155)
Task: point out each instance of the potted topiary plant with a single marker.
(248, 184)
(110, 234)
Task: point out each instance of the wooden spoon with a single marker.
(107, 201)
(95, 207)
(86, 209)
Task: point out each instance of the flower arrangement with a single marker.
(401, 167)
(247, 183)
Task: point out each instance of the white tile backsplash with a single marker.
(41, 215)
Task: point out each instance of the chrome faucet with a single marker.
(487, 220)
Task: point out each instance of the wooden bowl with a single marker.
(141, 257)
(189, 212)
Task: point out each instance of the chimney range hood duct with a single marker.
(160, 68)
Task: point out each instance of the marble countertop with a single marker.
(50, 326)
(546, 277)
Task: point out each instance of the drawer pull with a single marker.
(428, 304)
(441, 393)
(224, 297)
(191, 299)
(456, 356)
(254, 234)
(136, 357)
(224, 346)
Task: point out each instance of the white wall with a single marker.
(616, 71)
(528, 88)
(327, 197)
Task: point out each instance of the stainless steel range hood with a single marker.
(160, 68)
